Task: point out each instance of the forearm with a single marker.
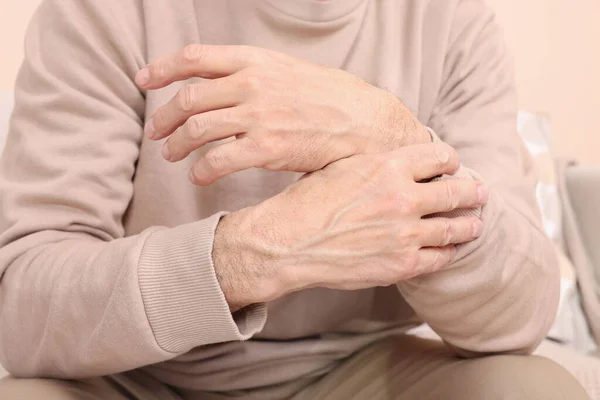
(94, 308)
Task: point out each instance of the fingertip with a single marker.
(192, 176)
(166, 152)
(442, 152)
(447, 157)
(143, 77)
(453, 251)
(198, 178)
(477, 227)
(482, 194)
(150, 129)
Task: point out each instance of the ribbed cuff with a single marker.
(462, 173)
(184, 302)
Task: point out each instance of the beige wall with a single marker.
(556, 44)
(14, 15)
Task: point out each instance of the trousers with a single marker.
(399, 368)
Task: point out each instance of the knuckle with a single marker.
(390, 164)
(447, 233)
(196, 126)
(434, 262)
(408, 202)
(395, 199)
(254, 83)
(187, 97)
(415, 203)
(250, 82)
(411, 260)
(259, 114)
(274, 152)
(158, 70)
(215, 159)
(438, 261)
(192, 53)
(450, 193)
(269, 144)
(386, 165)
(444, 258)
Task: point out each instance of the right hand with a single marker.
(355, 224)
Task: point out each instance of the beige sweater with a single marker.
(106, 248)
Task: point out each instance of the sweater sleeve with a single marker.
(78, 298)
(501, 292)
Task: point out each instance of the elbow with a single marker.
(542, 299)
(17, 360)
(24, 348)
(527, 303)
(10, 360)
(27, 364)
(16, 369)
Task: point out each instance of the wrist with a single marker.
(244, 272)
(403, 127)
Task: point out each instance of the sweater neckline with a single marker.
(315, 10)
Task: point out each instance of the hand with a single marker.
(286, 114)
(358, 223)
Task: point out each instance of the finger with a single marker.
(202, 129)
(226, 159)
(196, 60)
(432, 259)
(450, 194)
(190, 100)
(440, 232)
(429, 160)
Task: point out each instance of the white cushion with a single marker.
(570, 326)
(535, 132)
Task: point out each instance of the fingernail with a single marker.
(149, 129)
(477, 228)
(143, 77)
(166, 153)
(482, 194)
(442, 154)
(192, 177)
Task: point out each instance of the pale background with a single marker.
(556, 45)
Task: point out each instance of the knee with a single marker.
(520, 377)
(48, 389)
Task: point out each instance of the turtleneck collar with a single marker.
(315, 10)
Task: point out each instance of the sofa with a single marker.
(568, 195)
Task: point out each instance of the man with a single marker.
(125, 280)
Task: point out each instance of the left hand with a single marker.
(285, 113)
